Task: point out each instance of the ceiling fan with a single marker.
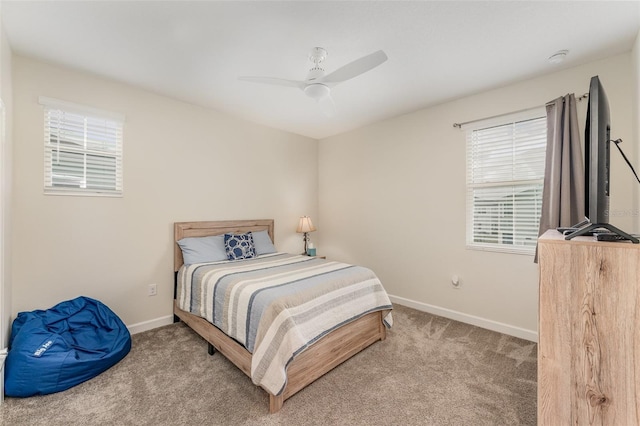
(317, 85)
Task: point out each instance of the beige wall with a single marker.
(181, 163)
(6, 95)
(392, 197)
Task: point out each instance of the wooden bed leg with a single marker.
(211, 349)
(275, 403)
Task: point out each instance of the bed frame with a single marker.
(318, 359)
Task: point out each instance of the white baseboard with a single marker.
(151, 324)
(511, 330)
(425, 307)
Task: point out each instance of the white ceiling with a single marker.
(438, 50)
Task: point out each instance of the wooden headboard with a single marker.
(204, 229)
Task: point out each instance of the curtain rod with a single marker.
(459, 125)
(585, 96)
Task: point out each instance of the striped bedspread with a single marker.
(277, 305)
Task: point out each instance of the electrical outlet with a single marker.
(153, 289)
(455, 281)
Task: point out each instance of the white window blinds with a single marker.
(82, 150)
(505, 174)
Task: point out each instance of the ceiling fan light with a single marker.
(316, 91)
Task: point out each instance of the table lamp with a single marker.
(305, 226)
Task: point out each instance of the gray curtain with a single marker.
(563, 193)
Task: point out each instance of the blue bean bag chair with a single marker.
(53, 350)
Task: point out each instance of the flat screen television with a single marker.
(597, 160)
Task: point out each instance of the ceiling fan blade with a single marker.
(275, 81)
(355, 68)
(327, 106)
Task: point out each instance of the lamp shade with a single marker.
(305, 225)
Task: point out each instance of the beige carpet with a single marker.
(429, 371)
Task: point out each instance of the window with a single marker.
(82, 150)
(505, 175)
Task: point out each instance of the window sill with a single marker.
(509, 250)
(84, 194)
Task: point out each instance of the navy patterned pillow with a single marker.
(239, 246)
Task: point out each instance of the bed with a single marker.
(280, 365)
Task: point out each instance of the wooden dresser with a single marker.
(589, 332)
